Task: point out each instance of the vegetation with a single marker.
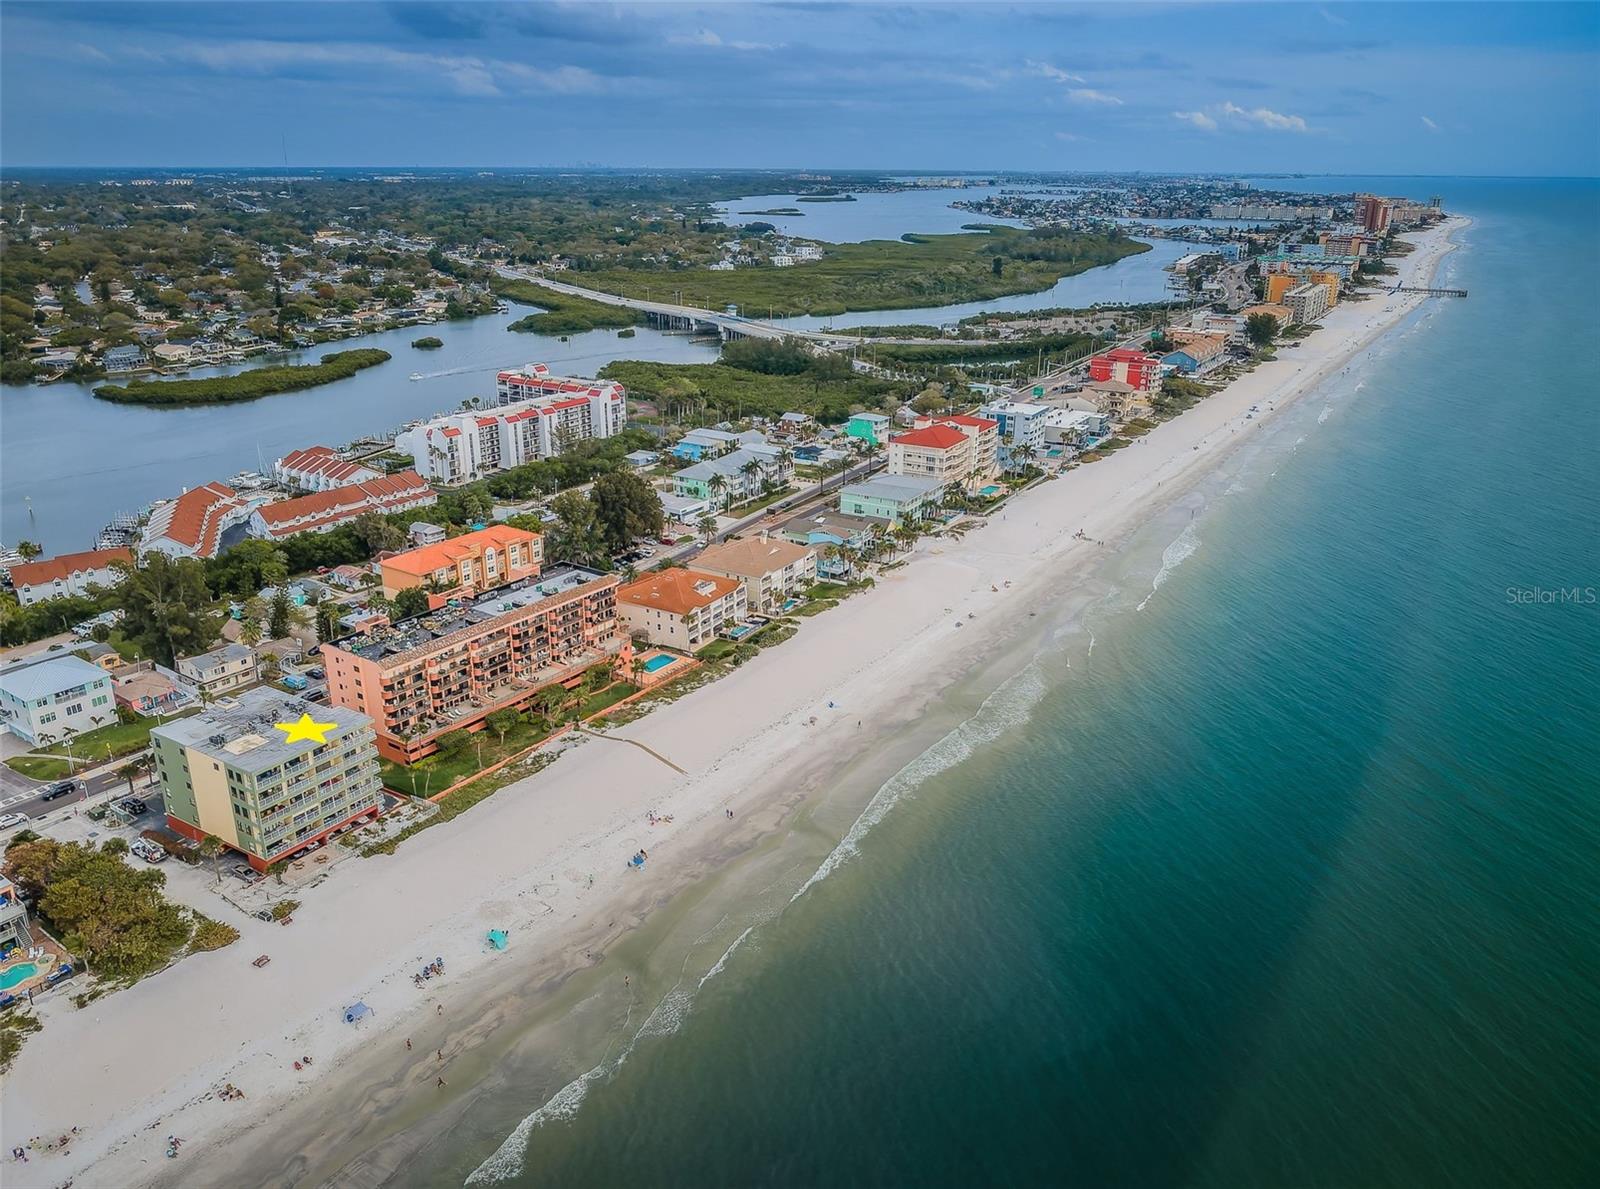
(427, 343)
(562, 313)
(109, 742)
(113, 915)
(210, 934)
(15, 1027)
(247, 385)
(723, 390)
(284, 908)
(916, 270)
(167, 607)
(23, 625)
(627, 509)
(40, 767)
(413, 600)
(1260, 329)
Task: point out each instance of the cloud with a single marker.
(1090, 95)
(93, 53)
(1265, 117)
(1331, 19)
(1429, 124)
(1053, 73)
(710, 39)
(1068, 136)
(1198, 118)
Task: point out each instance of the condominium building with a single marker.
(534, 382)
(462, 447)
(896, 498)
(773, 570)
(475, 561)
(231, 772)
(193, 525)
(324, 511)
(67, 574)
(1279, 283)
(984, 433)
(1306, 303)
(1374, 212)
(451, 668)
(1020, 422)
(54, 696)
(683, 609)
(319, 468)
(1138, 368)
(734, 478)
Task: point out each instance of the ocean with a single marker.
(1277, 865)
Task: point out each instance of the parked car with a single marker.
(12, 819)
(317, 672)
(132, 805)
(315, 695)
(59, 789)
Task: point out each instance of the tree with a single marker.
(627, 508)
(502, 722)
(327, 620)
(211, 847)
(707, 525)
(167, 607)
(1260, 329)
(28, 550)
(377, 532)
(413, 600)
(280, 613)
(453, 743)
(717, 485)
(578, 535)
(999, 265)
(131, 772)
(251, 616)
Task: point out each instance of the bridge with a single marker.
(1429, 292)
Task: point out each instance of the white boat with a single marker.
(416, 375)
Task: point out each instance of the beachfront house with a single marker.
(682, 609)
(870, 429)
(772, 569)
(53, 697)
(899, 499)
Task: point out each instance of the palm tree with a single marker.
(747, 470)
(708, 527)
(251, 615)
(785, 459)
(130, 772)
(717, 485)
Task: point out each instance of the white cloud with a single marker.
(1198, 118)
(709, 38)
(1331, 19)
(91, 52)
(1068, 136)
(1265, 117)
(1429, 124)
(1090, 95)
(1053, 73)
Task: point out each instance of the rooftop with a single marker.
(425, 559)
(934, 437)
(218, 656)
(408, 634)
(241, 732)
(48, 676)
(751, 556)
(897, 487)
(36, 573)
(676, 592)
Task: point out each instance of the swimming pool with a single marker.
(991, 491)
(660, 661)
(20, 973)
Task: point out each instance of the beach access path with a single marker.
(545, 857)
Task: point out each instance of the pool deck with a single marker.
(48, 963)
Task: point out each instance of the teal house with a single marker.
(871, 428)
(895, 498)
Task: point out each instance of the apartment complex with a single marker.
(556, 413)
(1306, 303)
(451, 668)
(1021, 423)
(67, 574)
(193, 524)
(734, 478)
(324, 511)
(682, 609)
(230, 772)
(1136, 368)
(773, 570)
(1279, 284)
(984, 433)
(476, 561)
(54, 696)
(319, 468)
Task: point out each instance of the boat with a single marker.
(416, 375)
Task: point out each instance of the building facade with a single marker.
(870, 428)
(1020, 423)
(985, 435)
(475, 561)
(682, 609)
(193, 524)
(230, 773)
(773, 570)
(324, 511)
(54, 697)
(67, 574)
(220, 670)
(451, 668)
(1136, 368)
(1306, 303)
(743, 474)
(899, 499)
(319, 468)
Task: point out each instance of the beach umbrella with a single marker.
(356, 1011)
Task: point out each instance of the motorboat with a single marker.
(416, 375)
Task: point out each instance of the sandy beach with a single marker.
(546, 857)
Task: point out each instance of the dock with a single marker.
(1429, 292)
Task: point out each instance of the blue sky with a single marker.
(1330, 87)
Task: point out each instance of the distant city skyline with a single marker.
(1313, 88)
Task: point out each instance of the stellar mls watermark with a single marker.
(1544, 596)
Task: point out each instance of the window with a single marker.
(75, 708)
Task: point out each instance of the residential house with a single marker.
(898, 499)
(700, 444)
(146, 688)
(15, 933)
(683, 609)
(220, 670)
(872, 429)
(742, 475)
(773, 570)
(424, 533)
(52, 696)
(641, 460)
(67, 574)
(319, 468)
(124, 359)
(473, 562)
(193, 525)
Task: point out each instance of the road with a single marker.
(18, 794)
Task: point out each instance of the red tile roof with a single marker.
(673, 591)
(194, 519)
(968, 420)
(51, 569)
(935, 437)
(320, 509)
(425, 559)
(324, 463)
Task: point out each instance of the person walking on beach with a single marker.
(441, 1083)
(441, 1053)
(408, 1044)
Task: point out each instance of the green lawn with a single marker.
(607, 697)
(39, 767)
(110, 741)
(715, 650)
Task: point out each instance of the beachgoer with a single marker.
(440, 1006)
(441, 1081)
(441, 1054)
(408, 1044)
(297, 1065)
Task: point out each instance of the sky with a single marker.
(1410, 88)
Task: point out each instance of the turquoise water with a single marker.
(20, 973)
(1289, 879)
(659, 661)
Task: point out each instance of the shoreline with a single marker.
(536, 843)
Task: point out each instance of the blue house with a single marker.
(1181, 361)
(124, 359)
(808, 453)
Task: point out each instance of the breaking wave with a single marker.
(1173, 556)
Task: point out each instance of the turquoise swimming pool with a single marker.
(991, 491)
(20, 973)
(660, 661)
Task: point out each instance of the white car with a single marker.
(12, 819)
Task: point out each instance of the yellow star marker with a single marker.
(306, 728)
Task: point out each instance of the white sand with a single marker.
(139, 1065)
